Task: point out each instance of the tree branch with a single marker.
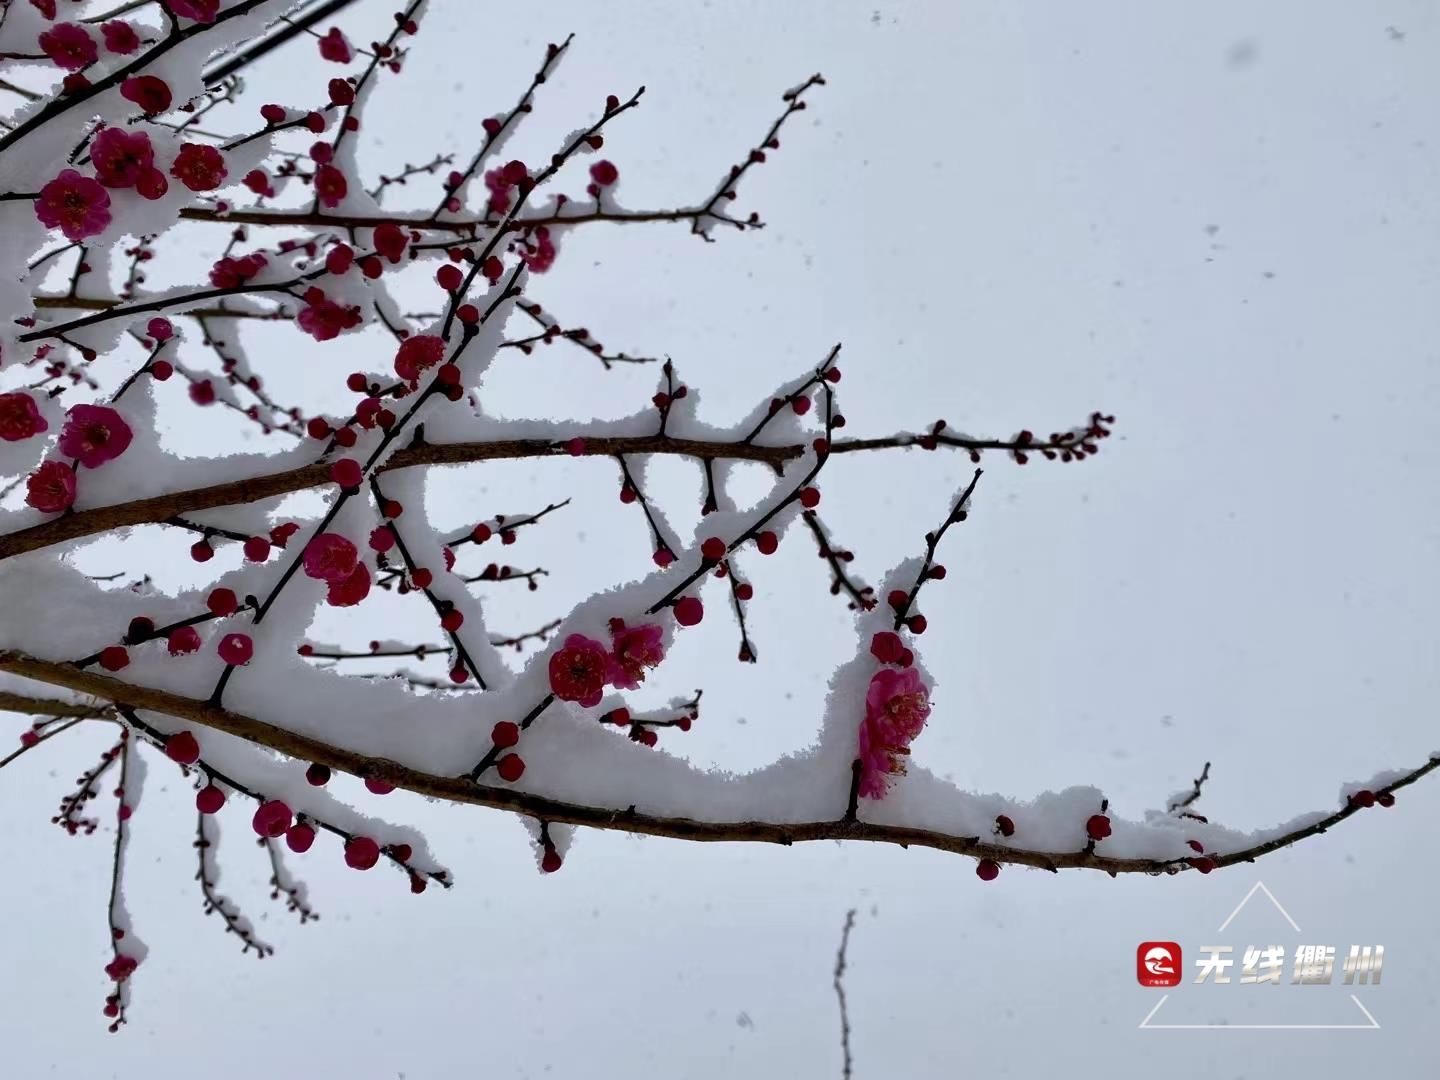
(461, 789)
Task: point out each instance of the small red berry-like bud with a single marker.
(382, 539)
(619, 717)
(575, 447)
(801, 406)
(1363, 798)
(1004, 826)
(236, 649)
(648, 736)
(361, 853)
(689, 611)
(346, 436)
(141, 629)
(161, 370)
(468, 314)
(272, 819)
(1098, 827)
(448, 374)
(29, 738)
(201, 551)
(506, 733)
(346, 472)
(357, 382)
(551, 861)
(379, 787)
(744, 591)
(988, 870)
(481, 533)
(339, 259)
(1196, 846)
(257, 549)
(917, 624)
(683, 723)
(1204, 864)
(713, 549)
(183, 747)
(898, 598)
(421, 577)
(317, 427)
(317, 775)
(510, 767)
(1385, 798)
(937, 572)
(161, 329)
(114, 658)
(663, 557)
(452, 620)
(458, 674)
(887, 647)
(810, 498)
(450, 277)
(273, 114)
(209, 799)
(222, 602)
(299, 838)
(767, 542)
(401, 852)
(341, 92)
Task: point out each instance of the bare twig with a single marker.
(1189, 799)
(840, 993)
(235, 923)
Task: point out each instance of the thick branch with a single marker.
(291, 28)
(462, 789)
(160, 507)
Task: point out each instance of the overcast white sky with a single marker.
(1217, 222)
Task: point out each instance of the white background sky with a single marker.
(1218, 223)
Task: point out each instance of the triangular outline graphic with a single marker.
(1259, 886)
(1373, 1025)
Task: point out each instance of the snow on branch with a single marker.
(134, 140)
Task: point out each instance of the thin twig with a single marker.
(1189, 799)
(840, 993)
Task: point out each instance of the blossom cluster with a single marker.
(897, 704)
(582, 667)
